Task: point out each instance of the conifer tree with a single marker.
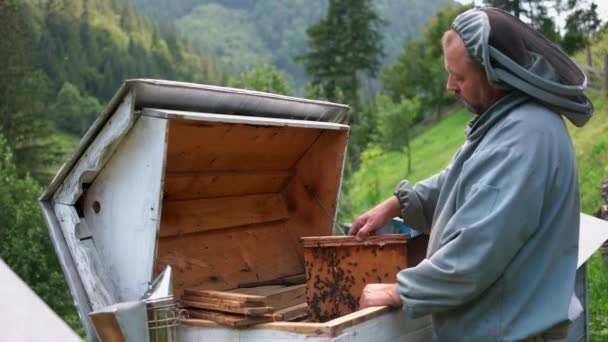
(582, 22)
(24, 120)
(534, 12)
(342, 46)
(263, 78)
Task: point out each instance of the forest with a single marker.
(64, 59)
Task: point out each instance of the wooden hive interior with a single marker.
(237, 198)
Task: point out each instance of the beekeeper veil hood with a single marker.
(515, 56)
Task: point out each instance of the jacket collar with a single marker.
(480, 123)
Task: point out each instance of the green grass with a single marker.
(64, 144)
(591, 146)
(598, 297)
(380, 171)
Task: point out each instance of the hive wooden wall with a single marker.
(237, 198)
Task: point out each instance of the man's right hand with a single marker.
(375, 218)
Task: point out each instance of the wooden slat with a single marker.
(193, 216)
(227, 296)
(198, 146)
(289, 296)
(229, 320)
(218, 301)
(258, 291)
(339, 324)
(193, 185)
(330, 329)
(291, 313)
(253, 311)
(277, 299)
(221, 259)
(338, 241)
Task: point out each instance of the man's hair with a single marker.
(449, 37)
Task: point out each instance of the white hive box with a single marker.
(219, 183)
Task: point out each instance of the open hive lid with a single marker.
(151, 93)
(104, 206)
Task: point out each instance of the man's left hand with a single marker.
(380, 294)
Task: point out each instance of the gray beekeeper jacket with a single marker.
(503, 219)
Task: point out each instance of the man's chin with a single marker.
(471, 108)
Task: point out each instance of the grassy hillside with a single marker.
(380, 171)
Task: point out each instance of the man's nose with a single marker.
(451, 85)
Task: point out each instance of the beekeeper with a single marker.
(503, 217)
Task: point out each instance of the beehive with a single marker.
(219, 183)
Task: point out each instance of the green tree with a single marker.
(74, 112)
(535, 12)
(419, 71)
(174, 43)
(581, 24)
(394, 124)
(24, 118)
(129, 20)
(343, 45)
(262, 78)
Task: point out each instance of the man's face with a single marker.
(466, 78)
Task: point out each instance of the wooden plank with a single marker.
(291, 313)
(339, 324)
(289, 296)
(221, 259)
(258, 291)
(338, 241)
(193, 185)
(252, 311)
(200, 215)
(220, 301)
(212, 146)
(278, 299)
(235, 321)
(200, 322)
(329, 329)
(251, 300)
